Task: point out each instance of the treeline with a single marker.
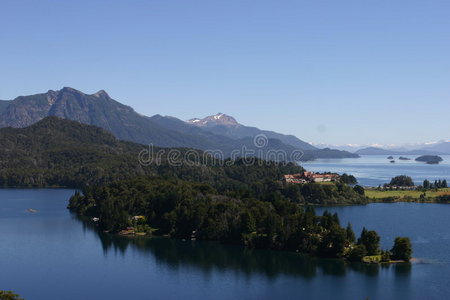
(406, 181)
(438, 184)
(401, 180)
(348, 179)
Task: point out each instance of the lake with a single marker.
(51, 254)
(373, 170)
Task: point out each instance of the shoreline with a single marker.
(406, 200)
(126, 233)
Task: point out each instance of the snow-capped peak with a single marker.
(194, 120)
(219, 115)
(215, 120)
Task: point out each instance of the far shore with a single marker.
(375, 195)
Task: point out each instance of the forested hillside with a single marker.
(59, 152)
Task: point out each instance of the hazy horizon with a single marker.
(328, 72)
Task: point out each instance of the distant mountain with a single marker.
(380, 151)
(442, 146)
(219, 119)
(229, 144)
(218, 132)
(374, 151)
(223, 124)
(345, 147)
(205, 139)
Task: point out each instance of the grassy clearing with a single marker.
(381, 194)
(376, 259)
(372, 259)
(326, 183)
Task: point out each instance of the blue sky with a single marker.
(327, 71)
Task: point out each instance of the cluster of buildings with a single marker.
(306, 177)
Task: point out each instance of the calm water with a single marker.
(53, 255)
(373, 170)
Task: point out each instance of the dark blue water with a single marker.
(52, 254)
(373, 170)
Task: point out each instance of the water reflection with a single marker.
(208, 256)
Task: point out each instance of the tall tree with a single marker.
(371, 240)
(402, 249)
(350, 233)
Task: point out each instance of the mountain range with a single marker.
(422, 151)
(223, 124)
(217, 132)
(441, 147)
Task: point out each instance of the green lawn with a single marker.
(375, 259)
(326, 183)
(372, 259)
(380, 194)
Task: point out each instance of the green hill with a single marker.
(60, 152)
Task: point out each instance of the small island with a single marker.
(404, 158)
(430, 159)
(390, 157)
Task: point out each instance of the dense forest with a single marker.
(58, 152)
(348, 179)
(198, 211)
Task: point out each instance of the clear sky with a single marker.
(328, 71)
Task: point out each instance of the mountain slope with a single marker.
(97, 109)
(3, 105)
(223, 124)
(100, 110)
(245, 139)
(60, 152)
(235, 147)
